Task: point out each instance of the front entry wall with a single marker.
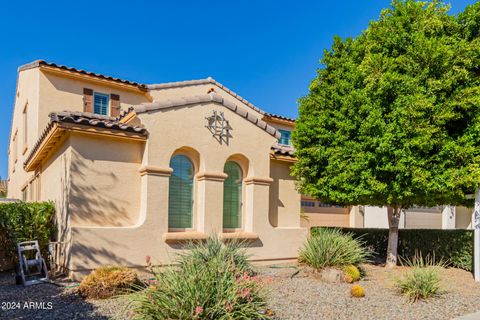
(183, 131)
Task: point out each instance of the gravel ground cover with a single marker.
(303, 297)
(299, 297)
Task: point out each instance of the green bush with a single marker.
(422, 281)
(20, 221)
(211, 282)
(455, 247)
(332, 248)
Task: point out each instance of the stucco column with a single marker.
(154, 200)
(257, 195)
(448, 217)
(209, 214)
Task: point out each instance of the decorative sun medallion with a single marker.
(219, 127)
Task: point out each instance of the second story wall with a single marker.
(66, 93)
(24, 130)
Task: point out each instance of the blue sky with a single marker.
(266, 51)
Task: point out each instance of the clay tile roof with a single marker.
(283, 150)
(83, 118)
(276, 116)
(208, 80)
(96, 120)
(38, 63)
(206, 98)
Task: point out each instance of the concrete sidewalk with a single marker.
(473, 316)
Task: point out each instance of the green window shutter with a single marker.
(180, 193)
(232, 196)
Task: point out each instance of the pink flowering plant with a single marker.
(213, 280)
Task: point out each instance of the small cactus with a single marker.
(357, 291)
(348, 278)
(351, 272)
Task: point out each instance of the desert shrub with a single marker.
(332, 248)
(21, 221)
(357, 291)
(209, 283)
(455, 247)
(351, 272)
(422, 281)
(213, 248)
(108, 281)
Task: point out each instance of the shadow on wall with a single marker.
(92, 198)
(88, 255)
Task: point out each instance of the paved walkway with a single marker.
(473, 316)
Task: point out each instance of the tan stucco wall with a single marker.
(284, 199)
(463, 218)
(130, 244)
(66, 94)
(45, 93)
(27, 93)
(105, 186)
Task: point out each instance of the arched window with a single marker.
(180, 193)
(232, 196)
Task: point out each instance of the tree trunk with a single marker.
(393, 220)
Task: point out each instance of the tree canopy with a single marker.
(393, 116)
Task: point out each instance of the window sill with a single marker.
(183, 236)
(240, 235)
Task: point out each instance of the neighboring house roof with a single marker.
(3, 186)
(38, 63)
(82, 118)
(210, 97)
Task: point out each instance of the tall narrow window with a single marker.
(285, 138)
(232, 196)
(101, 103)
(180, 193)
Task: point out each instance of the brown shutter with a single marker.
(114, 105)
(87, 100)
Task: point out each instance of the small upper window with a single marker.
(285, 138)
(101, 103)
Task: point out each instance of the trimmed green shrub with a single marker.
(422, 281)
(210, 282)
(332, 248)
(108, 281)
(455, 247)
(21, 221)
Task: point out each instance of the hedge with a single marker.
(21, 221)
(454, 247)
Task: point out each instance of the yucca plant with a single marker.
(423, 280)
(213, 248)
(212, 281)
(332, 248)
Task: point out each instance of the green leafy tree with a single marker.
(392, 117)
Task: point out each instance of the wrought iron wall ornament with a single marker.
(219, 127)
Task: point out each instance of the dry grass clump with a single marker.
(108, 281)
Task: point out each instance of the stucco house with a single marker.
(137, 170)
